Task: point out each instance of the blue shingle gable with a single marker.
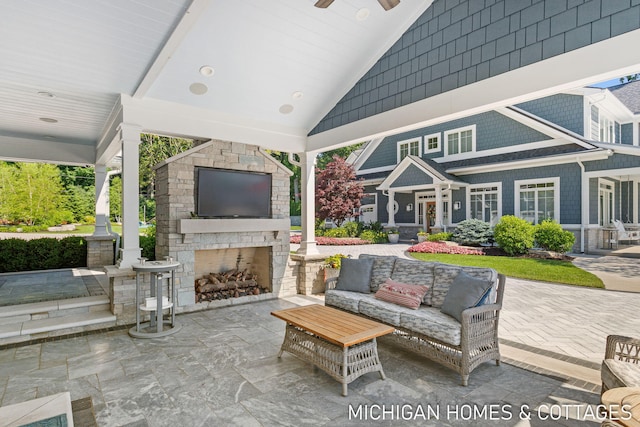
(564, 110)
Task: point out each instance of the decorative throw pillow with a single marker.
(402, 293)
(465, 292)
(355, 275)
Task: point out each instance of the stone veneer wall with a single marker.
(175, 200)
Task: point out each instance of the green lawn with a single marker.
(544, 270)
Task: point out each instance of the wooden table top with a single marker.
(629, 396)
(336, 326)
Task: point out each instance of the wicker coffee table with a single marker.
(341, 344)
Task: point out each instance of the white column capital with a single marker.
(129, 132)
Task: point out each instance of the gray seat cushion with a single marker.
(383, 311)
(433, 323)
(616, 373)
(345, 300)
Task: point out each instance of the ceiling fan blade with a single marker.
(388, 4)
(323, 3)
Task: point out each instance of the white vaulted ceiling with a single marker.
(73, 61)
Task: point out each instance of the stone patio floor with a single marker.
(221, 369)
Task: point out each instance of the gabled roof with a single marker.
(628, 94)
(425, 174)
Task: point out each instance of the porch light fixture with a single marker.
(409, 207)
(456, 206)
(207, 70)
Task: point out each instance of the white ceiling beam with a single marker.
(553, 75)
(16, 149)
(183, 27)
(168, 118)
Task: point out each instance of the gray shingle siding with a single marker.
(493, 130)
(412, 176)
(617, 161)
(562, 109)
(570, 192)
(457, 43)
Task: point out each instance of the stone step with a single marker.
(26, 322)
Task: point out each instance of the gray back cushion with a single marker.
(381, 271)
(355, 275)
(415, 272)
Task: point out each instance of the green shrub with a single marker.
(374, 236)
(44, 254)
(472, 232)
(61, 216)
(373, 226)
(148, 245)
(514, 235)
(334, 261)
(14, 255)
(73, 252)
(352, 228)
(440, 237)
(549, 235)
(89, 219)
(336, 232)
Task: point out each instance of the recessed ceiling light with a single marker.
(45, 94)
(48, 120)
(297, 95)
(207, 71)
(198, 88)
(286, 108)
(362, 14)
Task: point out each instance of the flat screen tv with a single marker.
(223, 193)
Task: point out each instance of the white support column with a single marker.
(584, 208)
(102, 200)
(439, 207)
(308, 241)
(130, 139)
(391, 209)
(634, 195)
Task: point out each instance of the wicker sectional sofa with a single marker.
(461, 346)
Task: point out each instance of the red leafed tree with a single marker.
(338, 192)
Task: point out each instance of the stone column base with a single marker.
(310, 273)
(100, 251)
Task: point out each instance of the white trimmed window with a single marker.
(538, 199)
(459, 141)
(409, 147)
(432, 143)
(485, 202)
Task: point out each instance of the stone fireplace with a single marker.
(209, 245)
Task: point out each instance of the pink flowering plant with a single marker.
(442, 248)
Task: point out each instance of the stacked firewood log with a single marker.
(229, 284)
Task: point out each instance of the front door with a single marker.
(428, 215)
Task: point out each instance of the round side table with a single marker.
(157, 326)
